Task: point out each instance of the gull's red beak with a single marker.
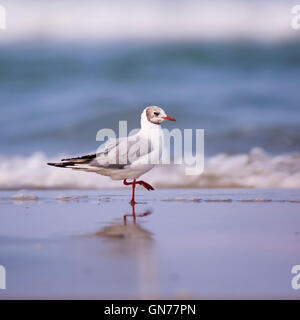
(169, 118)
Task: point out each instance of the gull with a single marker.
(126, 157)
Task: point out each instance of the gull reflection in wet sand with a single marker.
(130, 239)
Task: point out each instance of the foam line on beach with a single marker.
(256, 169)
(154, 20)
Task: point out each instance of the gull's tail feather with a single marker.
(72, 162)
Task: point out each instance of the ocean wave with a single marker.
(257, 169)
(156, 19)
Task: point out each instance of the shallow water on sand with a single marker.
(184, 244)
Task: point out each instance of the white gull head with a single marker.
(153, 116)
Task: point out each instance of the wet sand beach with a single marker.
(183, 243)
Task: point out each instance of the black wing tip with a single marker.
(86, 157)
(51, 164)
(60, 165)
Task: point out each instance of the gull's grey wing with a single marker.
(114, 154)
(122, 152)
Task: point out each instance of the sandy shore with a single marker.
(236, 243)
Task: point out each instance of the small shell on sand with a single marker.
(21, 196)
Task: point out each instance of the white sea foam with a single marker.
(256, 169)
(150, 19)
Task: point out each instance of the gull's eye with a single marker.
(156, 113)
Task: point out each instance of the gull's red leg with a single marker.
(132, 198)
(133, 183)
(126, 183)
(145, 185)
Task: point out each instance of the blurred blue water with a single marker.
(55, 97)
